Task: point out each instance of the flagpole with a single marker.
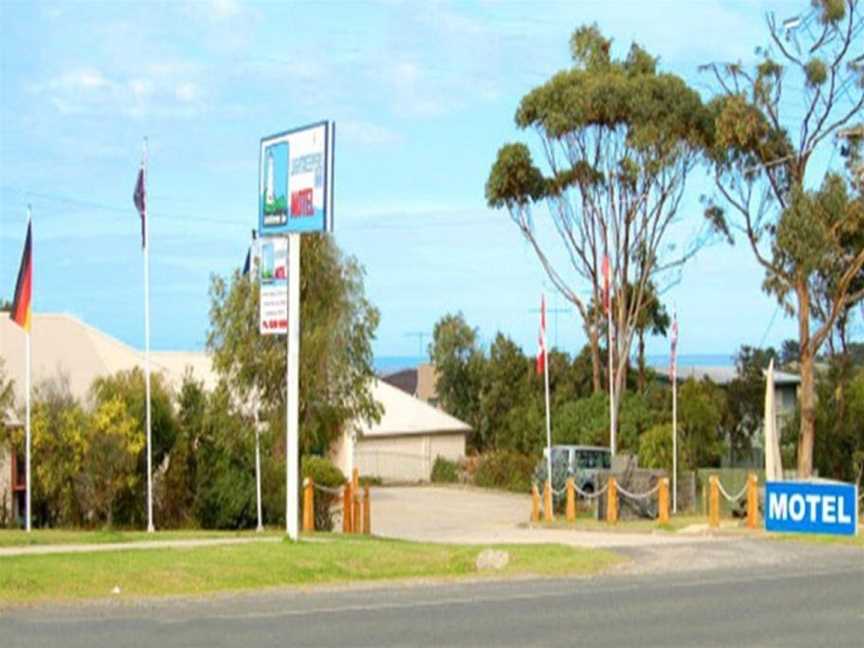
(28, 380)
(150, 527)
(253, 255)
(675, 419)
(612, 435)
(546, 381)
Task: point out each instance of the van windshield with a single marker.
(592, 459)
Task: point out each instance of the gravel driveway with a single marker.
(479, 516)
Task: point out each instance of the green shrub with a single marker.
(323, 473)
(444, 471)
(655, 448)
(505, 469)
(586, 421)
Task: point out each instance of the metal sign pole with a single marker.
(292, 377)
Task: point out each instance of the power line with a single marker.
(770, 325)
(180, 217)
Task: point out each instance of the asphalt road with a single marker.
(817, 599)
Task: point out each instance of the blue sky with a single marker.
(423, 94)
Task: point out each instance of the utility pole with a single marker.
(420, 335)
(554, 312)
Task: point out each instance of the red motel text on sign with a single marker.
(301, 203)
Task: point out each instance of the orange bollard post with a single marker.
(571, 501)
(612, 502)
(663, 502)
(548, 513)
(357, 514)
(308, 506)
(367, 512)
(535, 504)
(714, 503)
(346, 509)
(752, 500)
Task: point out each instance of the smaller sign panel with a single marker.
(273, 280)
(296, 181)
(811, 507)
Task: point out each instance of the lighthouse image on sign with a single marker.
(269, 190)
(274, 185)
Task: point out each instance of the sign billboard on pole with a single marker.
(273, 277)
(295, 181)
(295, 196)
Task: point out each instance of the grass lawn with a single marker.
(17, 538)
(324, 560)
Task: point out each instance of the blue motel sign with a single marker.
(811, 507)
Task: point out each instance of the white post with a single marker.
(258, 472)
(28, 380)
(150, 527)
(292, 409)
(674, 436)
(548, 415)
(255, 404)
(612, 435)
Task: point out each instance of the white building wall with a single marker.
(406, 458)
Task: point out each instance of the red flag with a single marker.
(606, 282)
(673, 365)
(541, 353)
(20, 313)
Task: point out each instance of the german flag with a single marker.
(24, 286)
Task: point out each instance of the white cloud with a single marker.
(167, 89)
(363, 132)
(225, 8)
(186, 92)
(75, 80)
(141, 88)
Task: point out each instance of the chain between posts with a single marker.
(638, 496)
(330, 491)
(588, 495)
(626, 493)
(584, 494)
(730, 498)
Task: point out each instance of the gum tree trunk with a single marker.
(807, 432)
(595, 360)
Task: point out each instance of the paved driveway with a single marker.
(478, 516)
